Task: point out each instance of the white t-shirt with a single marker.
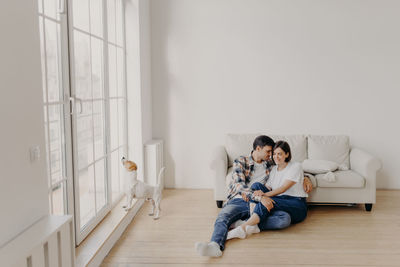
(293, 172)
(258, 174)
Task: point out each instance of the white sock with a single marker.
(238, 232)
(210, 249)
(252, 229)
(236, 224)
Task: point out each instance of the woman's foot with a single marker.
(238, 232)
(252, 229)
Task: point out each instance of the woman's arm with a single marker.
(286, 185)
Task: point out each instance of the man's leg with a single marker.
(234, 210)
(277, 220)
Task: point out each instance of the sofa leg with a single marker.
(219, 203)
(368, 206)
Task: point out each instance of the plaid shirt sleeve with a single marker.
(239, 180)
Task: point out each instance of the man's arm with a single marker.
(238, 184)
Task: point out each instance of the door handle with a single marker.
(73, 100)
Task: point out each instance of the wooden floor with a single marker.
(330, 236)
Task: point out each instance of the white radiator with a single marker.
(47, 243)
(153, 160)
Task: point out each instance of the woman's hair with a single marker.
(285, 147)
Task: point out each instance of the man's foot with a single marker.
(252, 229)
(210, 249)
(236, 224)
(238, 232)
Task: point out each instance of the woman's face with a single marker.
(280, 156)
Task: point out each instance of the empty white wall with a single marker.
(286, 67)
(23, 185)
(138, 64)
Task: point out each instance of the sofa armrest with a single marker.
(219, 163)
(364, 163)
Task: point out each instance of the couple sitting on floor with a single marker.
(268, 194)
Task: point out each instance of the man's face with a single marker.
(265, 152)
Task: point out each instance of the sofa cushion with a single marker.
(297, 143)
(242, 144)
(238, 145)
(330, 147)
(317, 166)
(344, 179)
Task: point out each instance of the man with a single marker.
(247, 170)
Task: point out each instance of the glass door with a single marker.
(55, 80)
(88, 94)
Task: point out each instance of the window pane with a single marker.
(52, 59)
(86, 195)
(96, 17)
(115, 187)
(111, 20)
(80, 14)
(114, 123)
(85, 141)
(99, 136)
(97, 68)
(120, 72)
(112, 70)
(101, 193)
(121, 122)
(119, 20)
(58, 199)
(122, 153)
(82, 66)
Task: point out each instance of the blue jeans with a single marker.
(278, 219)
(296, 207)
(238, 209)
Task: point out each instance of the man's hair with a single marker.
(263, 141)
(285, 147)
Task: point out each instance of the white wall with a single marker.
(138, 63)
(286, 67)
(23, 185)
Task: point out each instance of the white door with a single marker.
(88, 114)
(83, 65)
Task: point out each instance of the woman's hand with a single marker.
(258, 193)
(268, 203)
(307, 185)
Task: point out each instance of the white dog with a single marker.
(138, 189)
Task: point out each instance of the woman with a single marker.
(284, 187)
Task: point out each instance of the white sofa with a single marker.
(357, 185)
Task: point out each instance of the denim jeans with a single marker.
(238, 209)
(296, 207)
(278, 219)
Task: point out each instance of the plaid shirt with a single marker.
(243, 169)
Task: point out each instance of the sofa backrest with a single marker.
(327, 147)
(242, 144)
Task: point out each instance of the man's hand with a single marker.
(268, 203)
(307, 185)
(245, 197)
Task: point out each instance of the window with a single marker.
(84, 89)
